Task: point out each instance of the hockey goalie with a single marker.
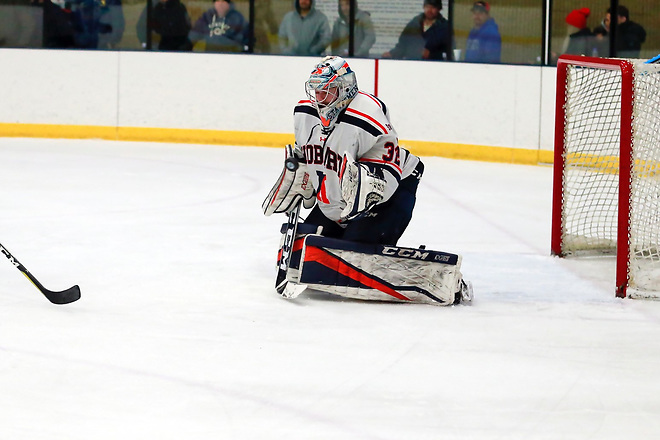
(347, 167)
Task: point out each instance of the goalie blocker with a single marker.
(376, 272)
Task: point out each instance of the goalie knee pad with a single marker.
(303, 230)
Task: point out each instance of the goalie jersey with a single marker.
(364, 132)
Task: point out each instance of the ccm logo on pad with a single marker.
(407, 253)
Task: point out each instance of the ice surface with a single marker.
(180, 335)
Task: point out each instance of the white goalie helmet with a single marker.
(331, 87)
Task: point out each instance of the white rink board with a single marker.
(491, 105)
(58, 87)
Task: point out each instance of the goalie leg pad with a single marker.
(378, 272)
(296, 249)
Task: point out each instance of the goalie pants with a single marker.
(384, 224)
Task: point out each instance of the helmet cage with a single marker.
(331, 87)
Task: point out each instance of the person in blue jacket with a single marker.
(484, 44)
(222, 28)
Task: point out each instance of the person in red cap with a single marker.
(580, 39)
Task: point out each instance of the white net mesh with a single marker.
(644, 265)
(591, 175)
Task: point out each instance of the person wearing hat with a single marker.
(484, 44)
(425, 37)
(222, 28)
(580, 39)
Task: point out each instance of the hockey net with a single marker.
(606, 194)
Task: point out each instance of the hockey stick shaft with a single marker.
(287, 248)
(291, 164)
(56, 297)
(653, 60)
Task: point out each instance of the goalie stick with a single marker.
(291, 164)
(63, 297)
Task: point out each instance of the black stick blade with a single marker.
(63, 297)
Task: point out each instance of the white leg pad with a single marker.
(379, 272)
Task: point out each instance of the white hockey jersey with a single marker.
(365, 132)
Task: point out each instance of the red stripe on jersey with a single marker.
(372, 98)
(304, 101)
(366, 116)
(395, 166)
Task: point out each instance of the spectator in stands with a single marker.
(601, 40)
(364, 35)
(113, 21)
(425, 37)
(222, 28)
(630, 35)
(304, 31)
(484, 44)
(88, 25)
(171, 21)
(580, 39)
(58, 25)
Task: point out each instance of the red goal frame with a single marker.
(625, 158)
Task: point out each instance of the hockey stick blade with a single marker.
(56, 297)
(292, 290)
(62, 297)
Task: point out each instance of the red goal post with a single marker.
(606, 188)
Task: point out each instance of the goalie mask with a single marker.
(331, 87)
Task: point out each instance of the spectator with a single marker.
(425, 37)
(113, 21)
(305, 31)
(222, 27)
(630, 35)
(484, 44)
(171, 21)
(580, 39)
(58, 25)
(364, 35)
(601, 42)
(87, 22)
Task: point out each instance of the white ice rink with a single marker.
(180, 335)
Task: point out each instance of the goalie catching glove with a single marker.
(361, 188)
(293, 185)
